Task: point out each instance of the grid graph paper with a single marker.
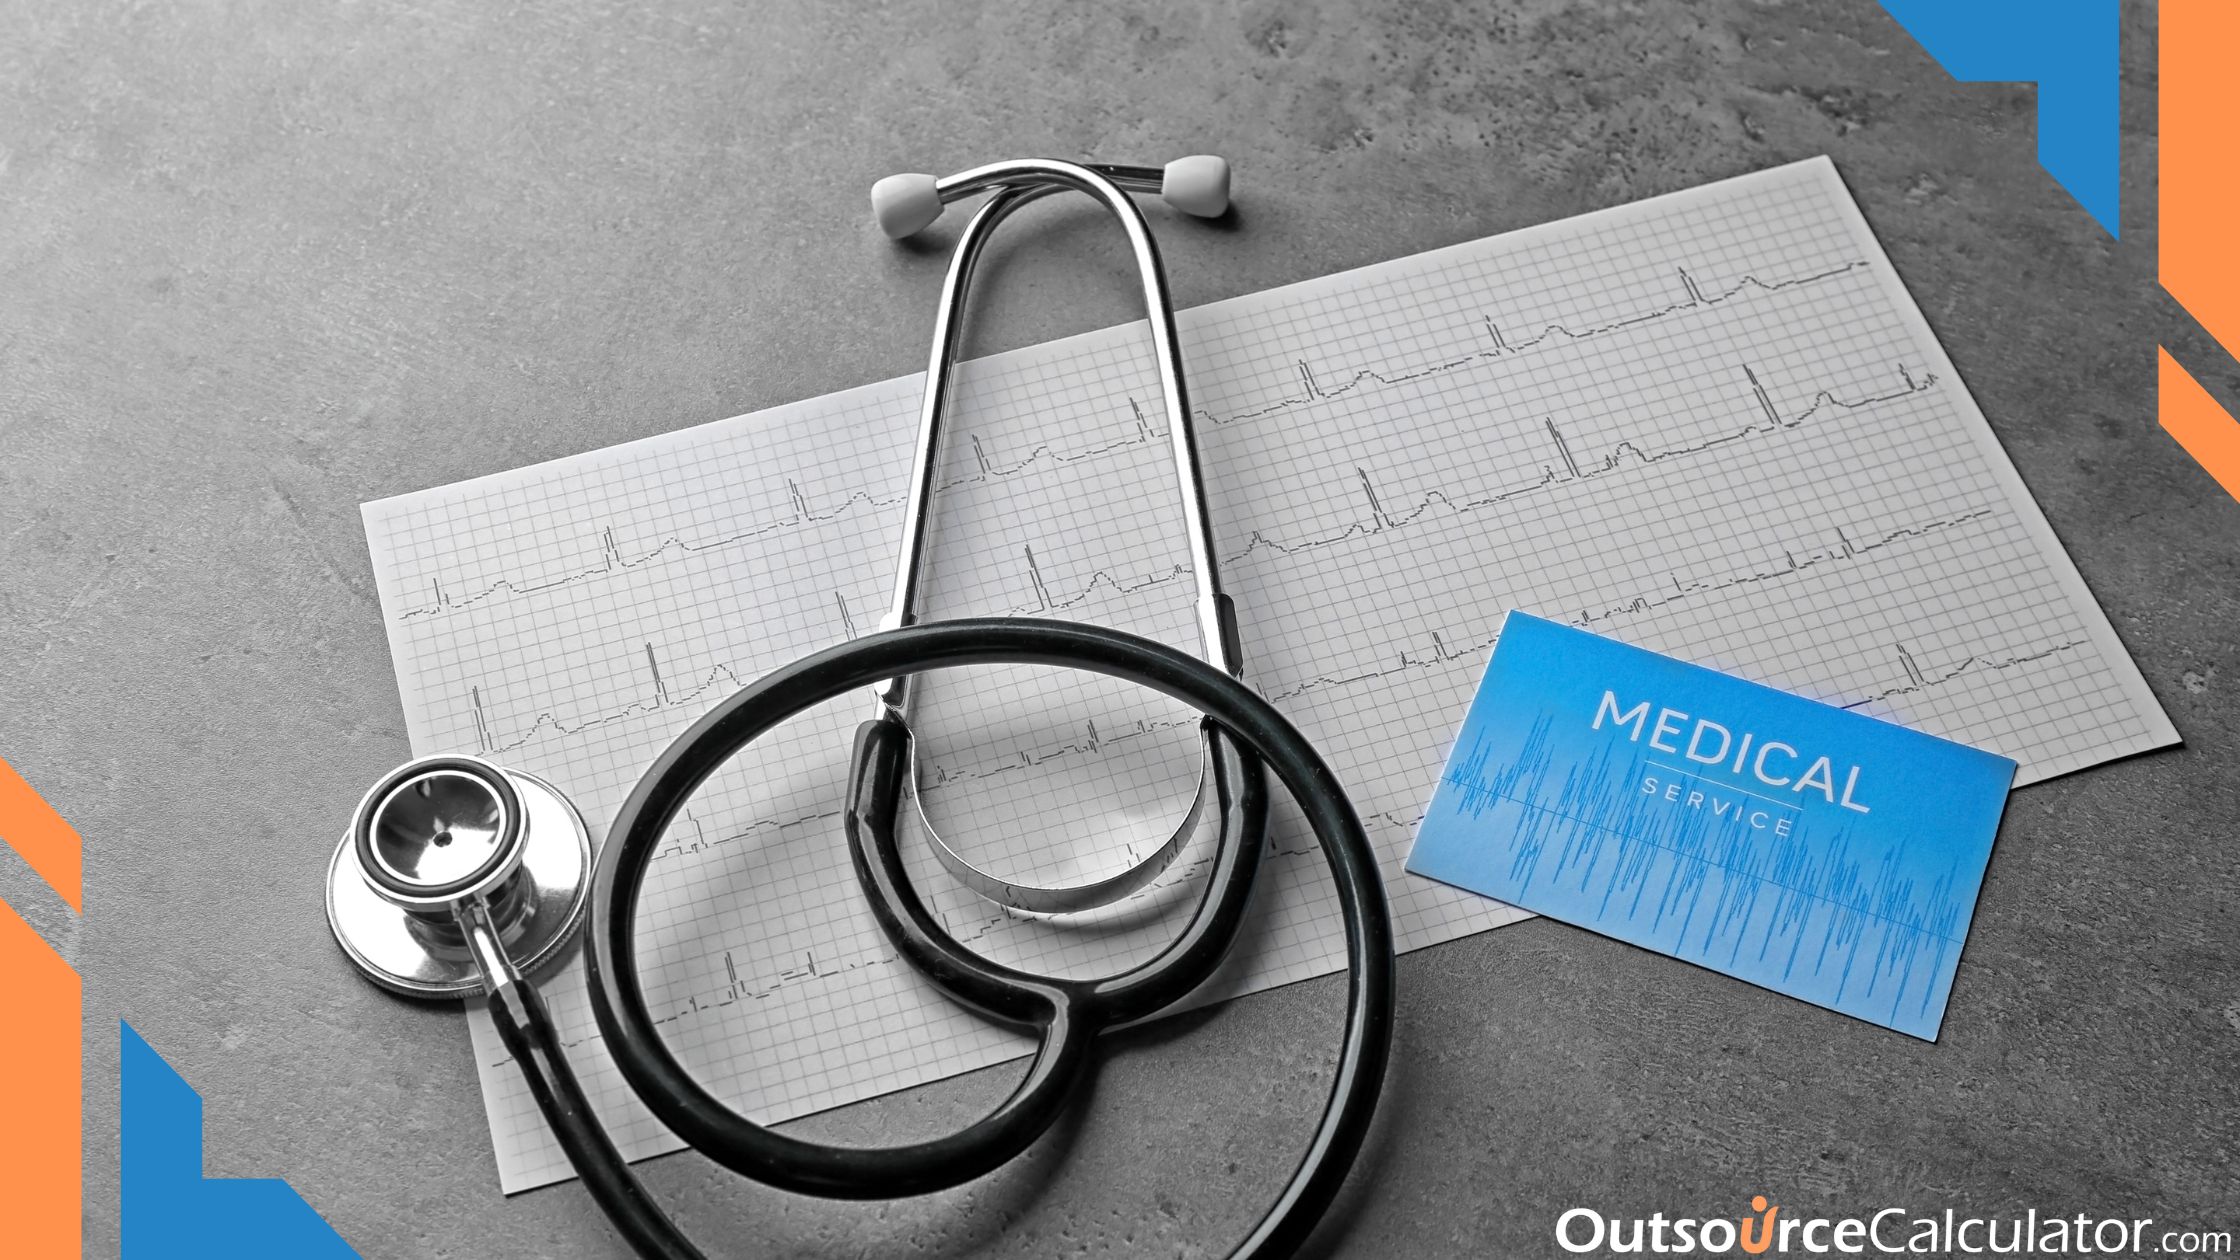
(1711, 424)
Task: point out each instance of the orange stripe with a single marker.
(2200, 182)
(48, 843)
(2201, 425)
(40, 1096)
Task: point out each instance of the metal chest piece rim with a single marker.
(391, 902)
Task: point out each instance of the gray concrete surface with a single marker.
(266, 260)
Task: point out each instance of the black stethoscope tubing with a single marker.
(1243, 735)
(1067, 1013)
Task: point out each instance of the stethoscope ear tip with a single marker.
(905, 205)
(1197, 185)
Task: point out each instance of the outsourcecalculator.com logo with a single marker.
(1769, 1229)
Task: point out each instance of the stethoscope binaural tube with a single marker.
(1066, 1012)
(1192, 184)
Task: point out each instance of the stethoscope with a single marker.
(460, 876)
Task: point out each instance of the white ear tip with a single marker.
(1197, 185)
(904, 204)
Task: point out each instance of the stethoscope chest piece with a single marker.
(442, 832)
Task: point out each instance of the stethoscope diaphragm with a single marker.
(438, 832)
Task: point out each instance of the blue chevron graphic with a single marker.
(2069, 49)
(171, 1211)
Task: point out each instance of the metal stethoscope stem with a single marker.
(1015, 184)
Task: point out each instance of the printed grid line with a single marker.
(1711, 424)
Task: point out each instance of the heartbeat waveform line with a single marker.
(1315, 391)
(1621, 455)
(934, 776)
(661, 697)
(1919, 680)
(1142, 432)
(1793, 563)
(1101, 580)
(1380, 519)
(1440, 653)
(612, 560)
(1626, 854)
(735, 990)
(677, 845)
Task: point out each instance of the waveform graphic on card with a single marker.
(1793, 844)
(1719, 883)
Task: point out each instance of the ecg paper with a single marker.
(1712, 424)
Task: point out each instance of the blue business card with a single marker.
(1801, 847)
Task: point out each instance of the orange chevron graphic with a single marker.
(2201, 426)
(40, 1094)
(2200, 263)
(42, 1088)
(33, 829)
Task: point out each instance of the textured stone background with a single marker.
(265, 260)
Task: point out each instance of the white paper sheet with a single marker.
(1712, 424)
